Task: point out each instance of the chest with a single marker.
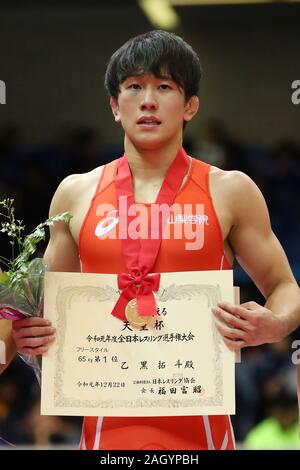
(147, 192)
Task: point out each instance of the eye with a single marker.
(165, 86)
(134, 86)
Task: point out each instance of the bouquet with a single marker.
(22, 283)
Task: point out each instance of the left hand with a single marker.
(248, 324)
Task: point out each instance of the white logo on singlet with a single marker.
(106, 224)
(188, 219)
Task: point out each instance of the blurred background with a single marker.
(56, 121)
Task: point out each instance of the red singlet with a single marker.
(101, 254)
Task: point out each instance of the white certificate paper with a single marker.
(101, 366)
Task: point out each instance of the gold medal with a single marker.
(133, 317)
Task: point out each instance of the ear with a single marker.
(191, 108)
(115, 108)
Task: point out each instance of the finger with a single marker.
(30, 321)
(33, 332)
(35, 342)
(227, 332)
(34, 351)
(236, 310)
(234, 345)
(229, 318)
(250, 305)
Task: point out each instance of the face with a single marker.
(152, 110)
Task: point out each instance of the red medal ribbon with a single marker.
(140, 287)
(140, 254)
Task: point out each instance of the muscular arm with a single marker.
(259, 252)
(34, 335)
(62, 252)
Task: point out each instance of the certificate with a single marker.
(102, 366)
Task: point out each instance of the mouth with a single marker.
(148, 121)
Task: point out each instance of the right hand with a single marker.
(33, 335)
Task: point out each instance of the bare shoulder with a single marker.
(231, 181)
(72, 188)
(73, 184)
(242, 195)
(234, 184)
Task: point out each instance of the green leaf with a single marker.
(20, 266)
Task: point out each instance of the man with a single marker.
(153, 84)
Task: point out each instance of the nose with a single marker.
(149, 101)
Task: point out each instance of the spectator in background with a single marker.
(283, 189)
(271, 366)
(219, 148)
(280, 429)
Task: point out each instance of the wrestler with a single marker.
(153, 82)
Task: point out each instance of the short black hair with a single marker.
(157, 52)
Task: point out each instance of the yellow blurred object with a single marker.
(160, 13)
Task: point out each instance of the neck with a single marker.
(154, 163)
